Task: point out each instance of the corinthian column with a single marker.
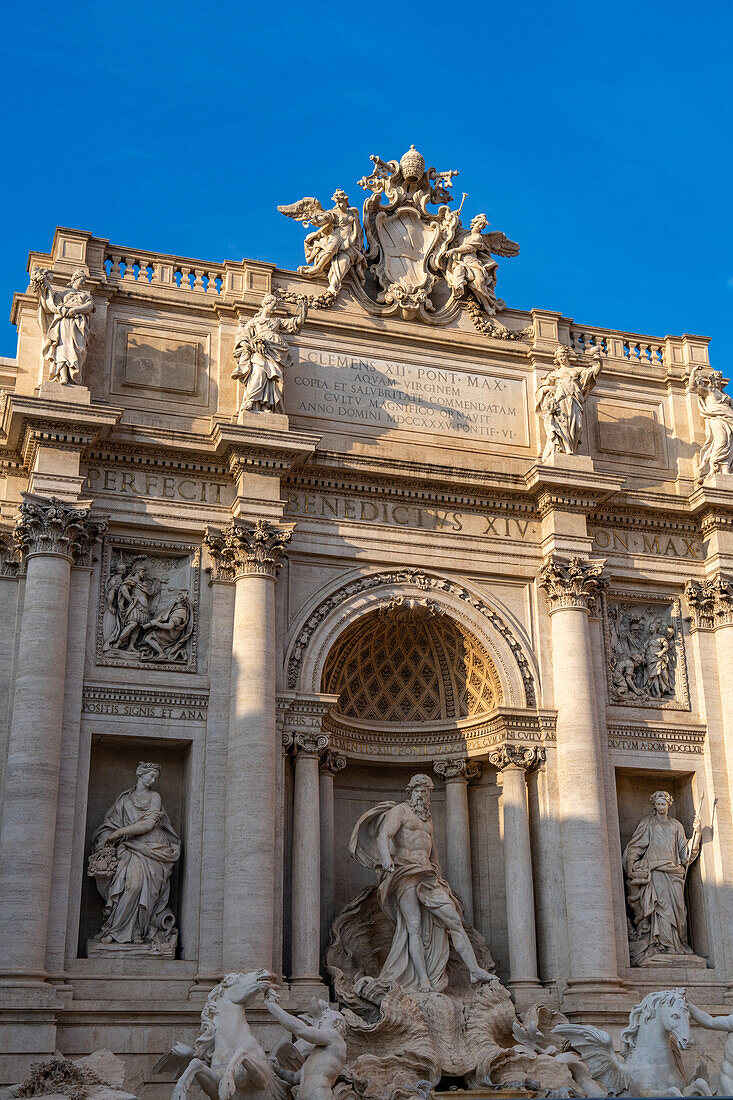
(331, 763)
(514, 762)
(51, 535)
(457, 775)
(570, 588)
(250, 555)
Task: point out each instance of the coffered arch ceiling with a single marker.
(409, 664)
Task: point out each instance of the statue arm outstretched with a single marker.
(297, 1026)
(714, 1023)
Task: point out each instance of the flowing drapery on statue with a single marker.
(134, 876)
(396, 840)
(434, 895)
(656, 861)
(262, 353)
(64, 319)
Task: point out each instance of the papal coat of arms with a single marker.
(418, 260)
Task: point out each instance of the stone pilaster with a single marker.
(571, 587)
(457, 775)
(50, 535)
(514, 762)
(250, 554)
(331, 764)
(306, 876)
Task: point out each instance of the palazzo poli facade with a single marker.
(273, 544)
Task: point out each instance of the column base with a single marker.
(528, 991)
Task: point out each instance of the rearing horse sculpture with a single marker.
(649, 1064)
(226, 1059)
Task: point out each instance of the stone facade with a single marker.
(294, 537)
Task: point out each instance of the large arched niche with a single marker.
(423, 665)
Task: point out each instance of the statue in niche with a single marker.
(320, 1049)
(64, 317)
(262, 353)
(656, 861)
(642, 659)
(131, 624)
(716, 409)
(337, 245)
(396, 840)
(468, 264)
(133, 854)
(561, 401)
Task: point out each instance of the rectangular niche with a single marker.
(645, 653)
(112, 771)
(148, 605)
(633, 790)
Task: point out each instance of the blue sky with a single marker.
(596, 135)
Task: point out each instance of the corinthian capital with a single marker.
(573, 583)
(245, 548)
(53, 526)
(711, 603)
(457, 769)
(517, 756)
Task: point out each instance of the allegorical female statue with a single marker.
(716, 409)
(561, 401)
(64, 317)
(656, 861)
(133, 854)
(262, 353)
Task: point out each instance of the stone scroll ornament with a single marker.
(413, 257)
(561, 400)
(64, 319)
(716, 410)
(133, 855)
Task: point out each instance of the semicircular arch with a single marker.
(329, 613)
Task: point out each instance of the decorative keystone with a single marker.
(573, 583)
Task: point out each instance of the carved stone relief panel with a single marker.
(163, 365)
(148, 605)
(645, 656)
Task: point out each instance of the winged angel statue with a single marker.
(468, 263)
(336, 246)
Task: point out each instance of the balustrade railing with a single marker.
(126, 266)
(620, 345)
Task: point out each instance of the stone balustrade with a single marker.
(128, 266)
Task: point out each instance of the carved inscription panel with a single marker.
(375, 394)
(148, 605)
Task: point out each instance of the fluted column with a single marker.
(457, 775)
(331, 763)
(570, 588)
(250, 554)
(514, 762)
(306, 877)
(51, 534)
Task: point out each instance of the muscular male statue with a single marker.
(396, 840)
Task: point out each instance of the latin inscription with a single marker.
(659, 545)
(144, 710)
(136, 483)
(410, 515)
(378, 393)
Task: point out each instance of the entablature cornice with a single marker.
(28, 422)
(457, 740)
